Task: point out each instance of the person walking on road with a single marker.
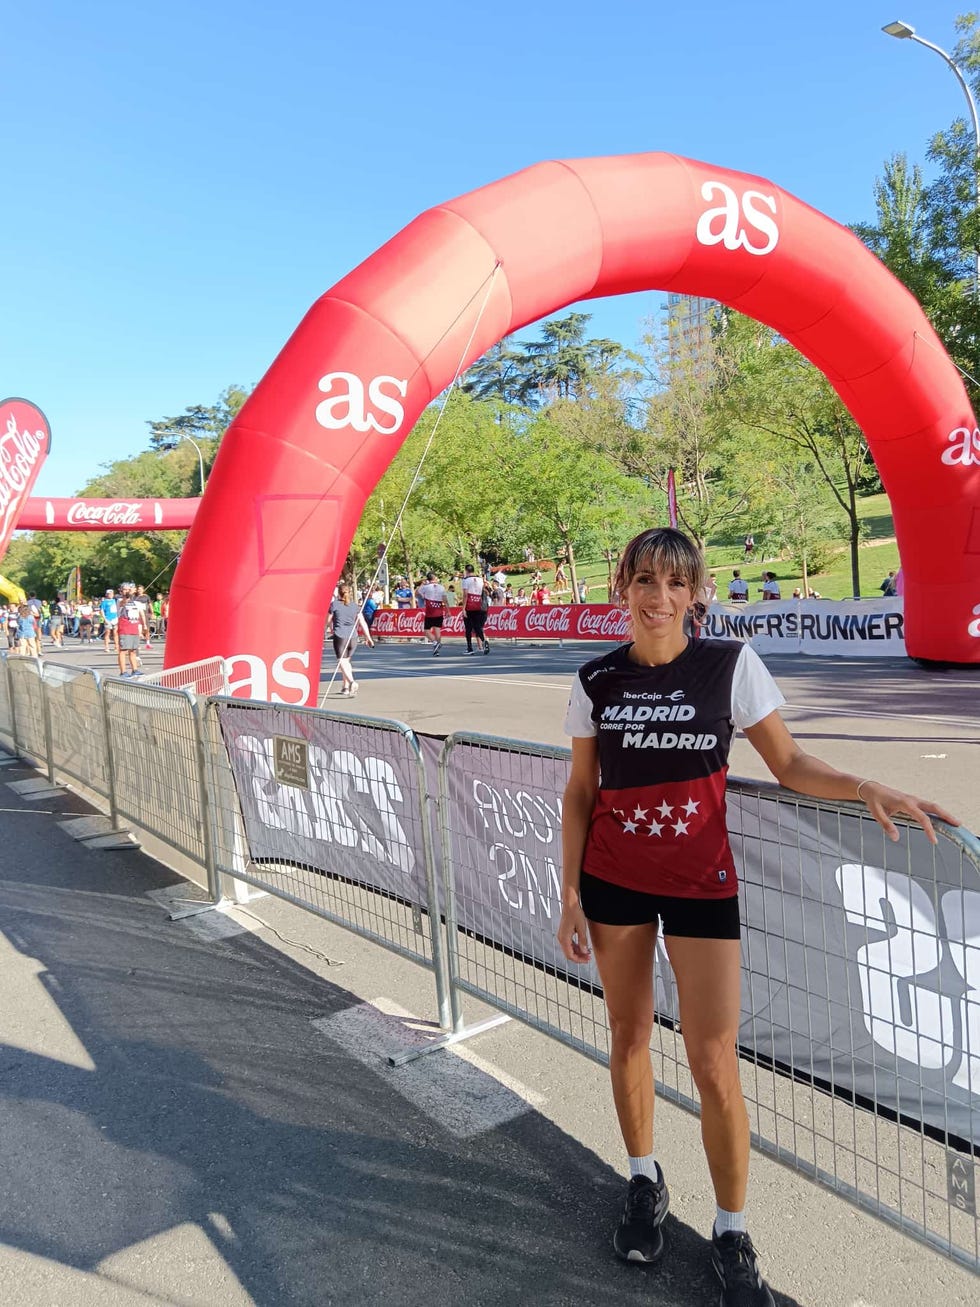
(645, 841)
(346, 620)
(133, 626)
(476, 601)
(110, 620)
(435, 601)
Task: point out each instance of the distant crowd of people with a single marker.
(125, 621)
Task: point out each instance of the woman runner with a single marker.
(346, 619)
(645, 839)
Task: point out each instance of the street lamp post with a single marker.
(904, 32)
(200, 458)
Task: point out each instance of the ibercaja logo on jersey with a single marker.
(25, 439)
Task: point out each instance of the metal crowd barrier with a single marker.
(860, 1038)
(329, 812)
(157, 759)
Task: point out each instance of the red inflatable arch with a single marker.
(297, 465)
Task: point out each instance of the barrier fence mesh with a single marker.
(859, 1067)
(332, 816)
(6, 705)
(208, 676)
(27, 694)
(77, 720)
(155, 752)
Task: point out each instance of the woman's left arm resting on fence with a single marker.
(802, 772)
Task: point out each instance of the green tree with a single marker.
(776, 392)
(203, 423)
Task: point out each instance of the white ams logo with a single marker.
(728, 223)
(349, 406)
(964, 448)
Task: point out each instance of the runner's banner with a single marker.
(867, 628)
(863, 628)
(25, 441)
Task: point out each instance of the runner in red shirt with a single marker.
(133, 624)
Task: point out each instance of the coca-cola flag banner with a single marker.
(107, 514)
(872, 628)
(25, 440)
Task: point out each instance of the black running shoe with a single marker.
(733, 1258)
(638, 1236)
(486, 646)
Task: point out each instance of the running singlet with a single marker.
(473, 586)
(435, 599)
(129, 617)
(664, 733)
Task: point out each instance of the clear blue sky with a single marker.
(184, 180)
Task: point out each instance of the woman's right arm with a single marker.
(577, 806)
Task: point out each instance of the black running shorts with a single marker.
(429, 622)
(612, 905)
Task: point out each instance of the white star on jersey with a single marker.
(654, 827)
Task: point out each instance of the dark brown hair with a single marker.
(661, 549)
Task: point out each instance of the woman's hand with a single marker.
(573, 934)
(883, 803)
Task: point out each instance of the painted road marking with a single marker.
(455, 1087)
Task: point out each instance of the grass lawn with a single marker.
(877, 557)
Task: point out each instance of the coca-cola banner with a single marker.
(107, 514)
(861, 957)
(540, 622)
(340, 797)
(25, 439)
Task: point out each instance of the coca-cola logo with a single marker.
(553, 620)
(604, 622)
(25, 438)
(504, 621)
(117, 514)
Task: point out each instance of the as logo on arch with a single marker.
(352, 404)
(964, 448)
(739, 220)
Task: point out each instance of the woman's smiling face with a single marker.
(658, 602)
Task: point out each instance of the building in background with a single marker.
(689, 323)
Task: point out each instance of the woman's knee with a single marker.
(714, 1066)
(630, 1032)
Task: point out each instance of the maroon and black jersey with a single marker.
(664, 734)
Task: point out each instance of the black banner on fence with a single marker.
(340, 797)
(861, 957)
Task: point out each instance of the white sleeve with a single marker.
(578, 718)
(754, 693)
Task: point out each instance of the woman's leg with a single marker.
(624, 956)
(708, 974)
(344, 667)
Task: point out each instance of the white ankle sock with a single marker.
(644, 1166)
(725, 1221)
